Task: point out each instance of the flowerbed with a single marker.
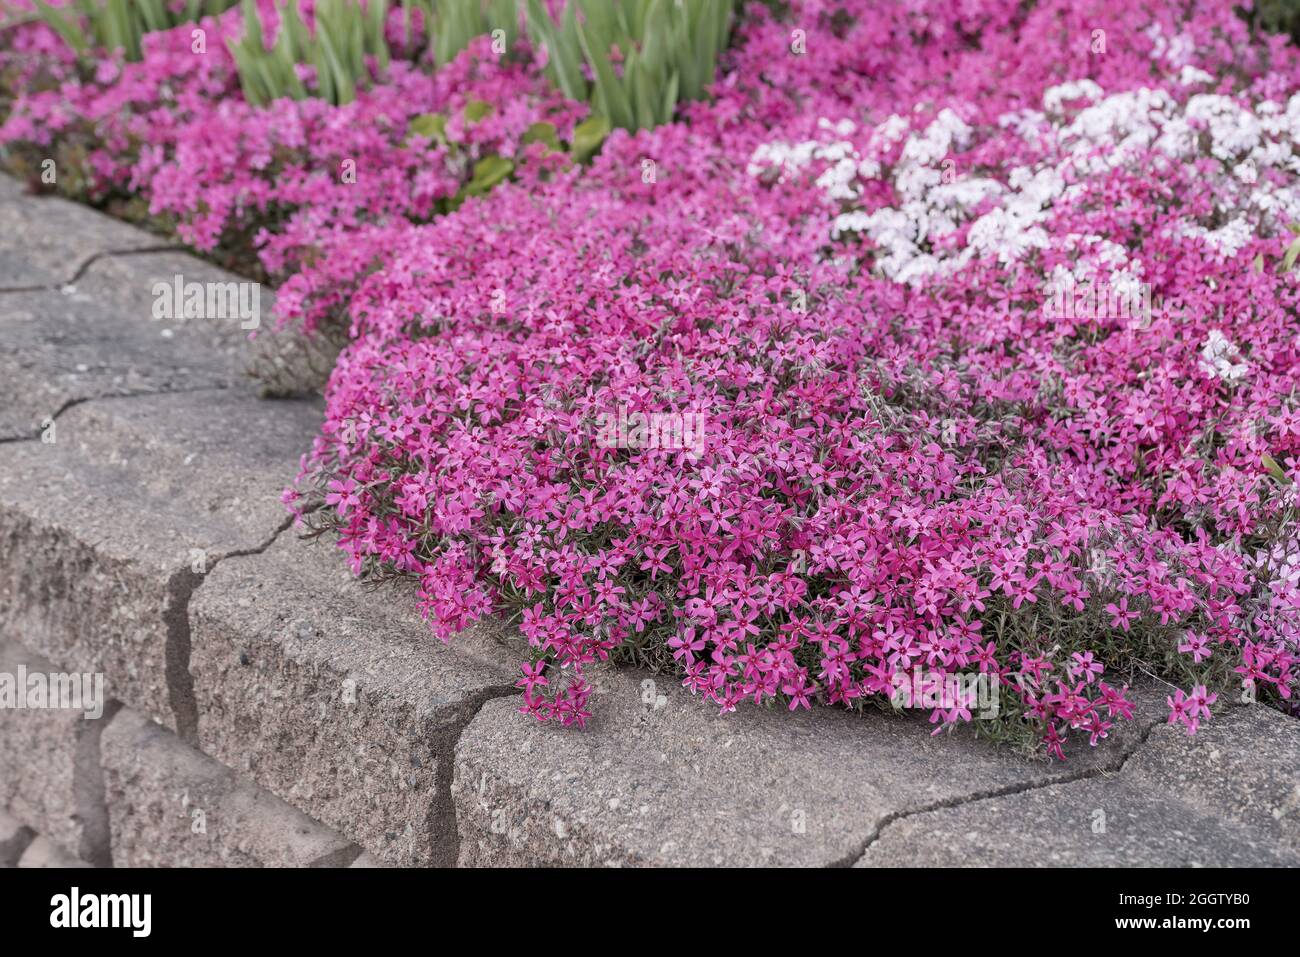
(299, 192)
(845, 275)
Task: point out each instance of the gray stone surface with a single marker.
(97, 337)
(14, 838)
(42, 852)
(11, 189)
(102, 531)
(45, 239)
(336, 697)
(172, 806)
(1229, 796)
(49, 765)
(673, 783)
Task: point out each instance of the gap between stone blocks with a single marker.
(179, 647)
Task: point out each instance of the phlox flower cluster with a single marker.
(839, 264)
(298, 191)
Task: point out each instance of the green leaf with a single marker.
(294, 32)
(611, 98)
(488, 172)
(343, 85)
(476, 110)
(562, 60)
(68, 29)
(253, 36)
(588, 136)
(376, 15)
(542, 132)
(1292, 252)
(432, 126)
(1274, 469)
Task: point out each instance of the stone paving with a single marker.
(266, 709)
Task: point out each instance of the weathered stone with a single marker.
(171, 806)
(12, 190)
(1227, 797)
(45, 240)
(105, 532)
(336, 697)
(659, 778)
(1243, 766)
(45, 853)
(14, 838)
(98, 338)
(49, 764)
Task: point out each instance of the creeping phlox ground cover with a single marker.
(782, 395)
(300, 191)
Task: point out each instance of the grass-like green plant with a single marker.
(344, 33)
(88, 25)
(452, 24)
(644, 56)
(1275, 16)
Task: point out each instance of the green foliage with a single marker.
(1275, 16)
(587, 137)
(1292, 252)
(490, 170)
(644, 55)
(452, 24)
(345, 32)
(88, 25)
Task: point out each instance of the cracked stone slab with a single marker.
(14, 838)
(172, 806)
(106, 531)
(49, 764)
(97, 337)
(336, 697)
(659, 778)
(44, 239)
(1229, 796)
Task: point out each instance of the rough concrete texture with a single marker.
(45, 240)
(105, 532)
(97, 337)
(172, 806)
(659, 778)
(42, 852)
(12, 190)
(14, 838)
(49, 765)
(336, 697)
(1229, 796)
